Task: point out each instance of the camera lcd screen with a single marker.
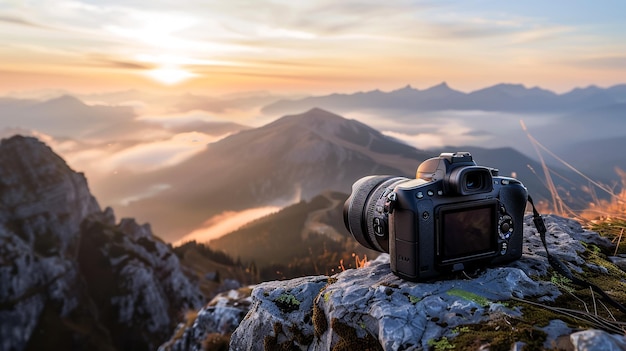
(467, 231)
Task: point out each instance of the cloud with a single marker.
(308, 45)
(20, 21)
(224, 223)
(148, 193)
(104, 61)
(218, 115)
(541, 33)
(457, 128)
(137, 157)
(613, 62)
(150, 156)
(420, 140)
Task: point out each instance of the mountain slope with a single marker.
(307, 238)
(295, 157)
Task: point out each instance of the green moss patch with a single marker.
(614, 229)
(287, 303)
(482, 301)
(498, 335)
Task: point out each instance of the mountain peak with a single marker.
(319, 112)
(407, 90)
(439, 91)
(30, 168)
(315, 120)
(407, 87)
(514, 91)
(65, 100)
(313, 116)
(440, 86)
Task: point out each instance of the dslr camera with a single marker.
(454, 215)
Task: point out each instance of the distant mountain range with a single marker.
(501, 97)
(300, 155)
(67, 117)
(294, 158)
(585, 121)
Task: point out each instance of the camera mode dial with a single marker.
(506, 227)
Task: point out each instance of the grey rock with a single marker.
(42, 203)
(373, 307)
(221, 315)
(598, 340)
(64, 263)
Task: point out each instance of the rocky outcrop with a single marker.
(523, 305)
(70, 278)
(212, 326)
(135, 280)
(42, 203)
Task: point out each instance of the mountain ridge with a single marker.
(295, 157)
(504, 97)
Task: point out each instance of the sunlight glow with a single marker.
(170, 75)
(224, 223)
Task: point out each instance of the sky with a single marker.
(314, 47)
(148, 74)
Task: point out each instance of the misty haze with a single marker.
(194, 163)
(175, 177)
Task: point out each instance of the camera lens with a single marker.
(362, 211)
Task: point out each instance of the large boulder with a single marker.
(523, 305)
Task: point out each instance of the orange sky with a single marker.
(283, 46)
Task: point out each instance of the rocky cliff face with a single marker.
(70, 278)
(523, 305)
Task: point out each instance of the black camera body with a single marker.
(452, 216)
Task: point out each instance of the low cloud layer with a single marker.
(225, 223)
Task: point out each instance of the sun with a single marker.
(170, 75)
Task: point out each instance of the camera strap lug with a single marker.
(391, 202)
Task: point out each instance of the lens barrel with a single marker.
(363, 221)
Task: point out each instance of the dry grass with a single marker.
(189, 319)
(606, 217)
(358, 262)
(616, 204)
(610, 213)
